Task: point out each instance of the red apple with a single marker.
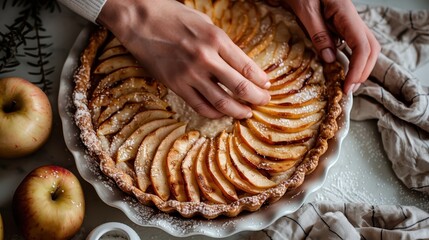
(25, 117)
(49, 204)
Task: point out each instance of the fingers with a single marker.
(316, 28)
(210, 100)
(365, 48)
(346, 23)
(244, 65)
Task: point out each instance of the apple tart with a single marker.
(155, 148)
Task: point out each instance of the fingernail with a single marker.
(267, 85)
(249, 114)
(328, 55)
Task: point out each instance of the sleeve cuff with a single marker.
(89, 9)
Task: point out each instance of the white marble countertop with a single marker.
(362, 173)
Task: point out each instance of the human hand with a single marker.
(323, 19)
(183, 49)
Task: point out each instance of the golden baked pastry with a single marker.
(158, 150)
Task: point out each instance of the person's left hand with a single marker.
(326, 19)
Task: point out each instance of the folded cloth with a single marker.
(349, 221)
(394, 96)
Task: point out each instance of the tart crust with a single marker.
(125, 177)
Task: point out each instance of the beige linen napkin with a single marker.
(394, 96)
(349, 221)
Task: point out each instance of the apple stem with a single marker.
(55, 194)
(11, 107)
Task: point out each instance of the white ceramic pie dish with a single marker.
(174, 224)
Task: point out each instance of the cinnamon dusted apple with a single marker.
(156, 148)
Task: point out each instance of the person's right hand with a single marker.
(183, 49)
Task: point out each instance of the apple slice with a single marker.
(285, 124)
(138, 120)
(239, 20)
(128, 86)
(219, 8)
(292, 86)
(192, 190)
(225, 21)
(228, 170)
(148, 100)
(280, 48)
(146, 152)
(117, 76)
(259, 162)
(275, 152)
(118, 120)
(248, 172)
(253, 16)
(293, 60)
(111, 52)
(271, 136)
(158, 171)
(304, 96)
(292, 112)
(290, 76)
(174, 163)
(265, 26)
(114, 63)
(204, 6)
(205, 181)
(263, 44)
(127, 168)
(136, 84)
(220, 180)
(114, 42)
(128, 150)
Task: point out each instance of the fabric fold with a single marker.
(394, 96)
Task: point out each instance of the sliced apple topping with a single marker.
(304, 96)
(253, 16)
(219, 9)
(128, 150)
(148, 100)
(137, 121)
(293, 86)
(158, 171)
(117, 76)
(289, 77)
(272, 136)
(285, 124)
(146, 152)
(227, 167)
(114, 51)
(292, 111)
(175, 157)
(248, 172)
(258, 161)
(114, 63)
(192, 190)
(114, 42)
(119, 119)
(220, 180)
(276, 152)
(265, 26)
(205, 181)
(204, 6)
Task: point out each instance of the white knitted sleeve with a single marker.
(88, 9)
